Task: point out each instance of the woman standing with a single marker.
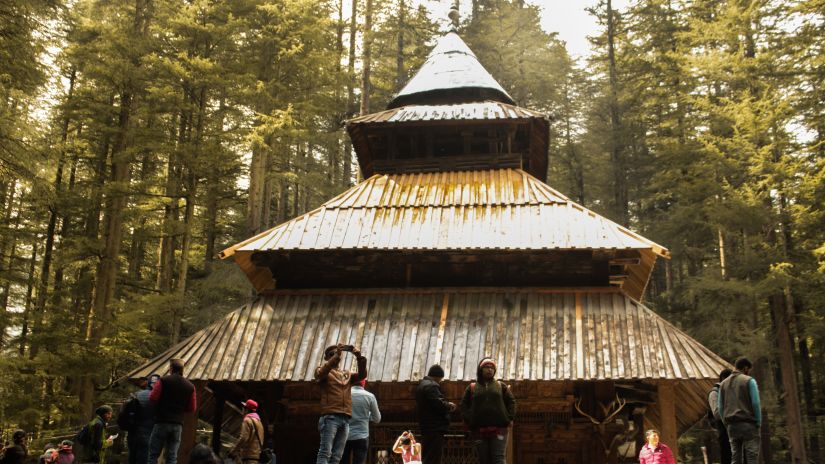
(488, 408)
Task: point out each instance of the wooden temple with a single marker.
(453, 248)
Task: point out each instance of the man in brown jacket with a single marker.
(336, 401)
(248, 447)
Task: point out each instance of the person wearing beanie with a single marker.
(250, 442)
(336, 401)
(433, 414)
(95, 452)
(364, 411)
(16, 453)
(488, 408)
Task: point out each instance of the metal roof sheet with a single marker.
(494, 209)
(450, 67)
(533, 334)
(456, 112)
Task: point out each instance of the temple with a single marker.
(453, 248)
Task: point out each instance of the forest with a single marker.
(139, 138)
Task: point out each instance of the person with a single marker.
(721, 431)
(408, 448)
(433, 414)
(172, 396)
(16, 452)
(336, 401)
(654, 451)
(741, 412)
(95, 452)
(488, 408)
(202, 454)
(364, 411)
(49, 454)
(248, 447)
(65, 455)
(137, 438)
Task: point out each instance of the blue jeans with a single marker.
(491, 450)
(744, 442)
(138, 442)
(165, 436)
(334, 429)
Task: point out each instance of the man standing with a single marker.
(740, 411)
(138, 436)
(248, 447)
(489, 407)
(364, 411)
(721, 431)
(433, 414)
(336, 401)
(95, 451)
(172, 396)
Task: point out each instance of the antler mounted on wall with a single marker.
(609, 411)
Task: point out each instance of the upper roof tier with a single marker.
(451, 74)
(438, 214)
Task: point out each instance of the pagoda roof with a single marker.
(499, 209)
(451, 74)
(556, 335)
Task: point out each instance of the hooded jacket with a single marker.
(487, 404)
(659, 455)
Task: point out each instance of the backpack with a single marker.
(84, 436)
(127, 418)
(711, 420)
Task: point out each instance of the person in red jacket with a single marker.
(655, 452)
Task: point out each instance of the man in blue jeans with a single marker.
(741, 412)
(172, 396)
(336, 401)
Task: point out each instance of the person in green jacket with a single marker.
(95, 452)
(488, 408)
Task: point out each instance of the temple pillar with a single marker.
(669, 433)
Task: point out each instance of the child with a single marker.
(408, 448)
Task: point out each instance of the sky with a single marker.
(567, 17)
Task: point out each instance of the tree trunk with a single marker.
(617, 160)
(54, 215)
(8, 247)
(400, 72)
(784, 342)
(24, 329)
(366, 59)
(100, 315)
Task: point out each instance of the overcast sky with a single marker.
(567, 17)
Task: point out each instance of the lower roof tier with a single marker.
(533, 334)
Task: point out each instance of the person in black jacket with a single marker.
(172, 396)
(15, 453)
(433, 414)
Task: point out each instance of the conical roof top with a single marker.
(451, 74)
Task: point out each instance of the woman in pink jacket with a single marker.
(655, 452)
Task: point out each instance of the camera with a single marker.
(349, 348)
